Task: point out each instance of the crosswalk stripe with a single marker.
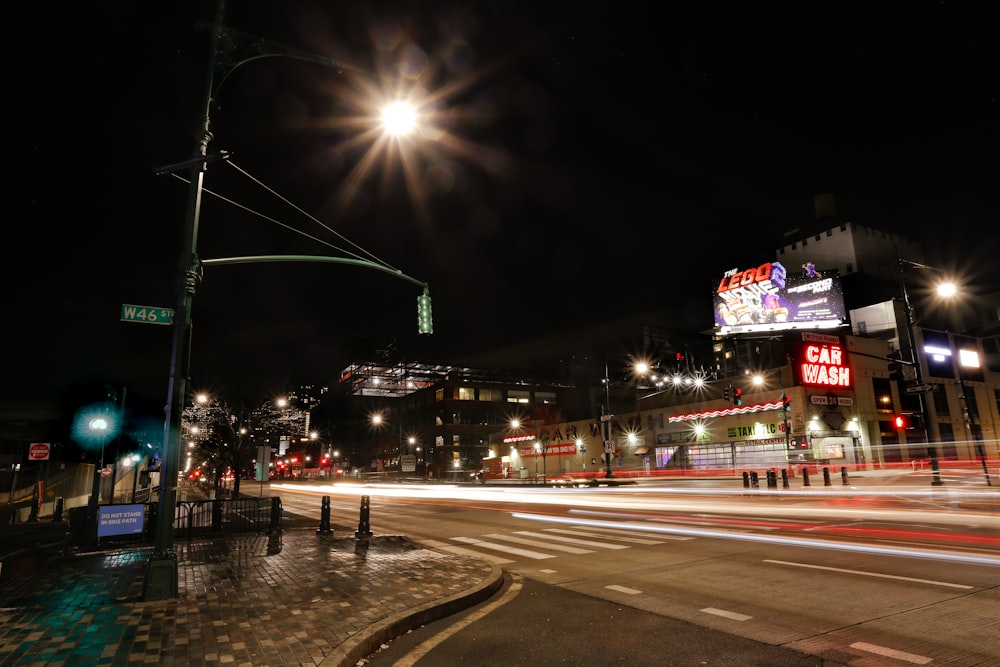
(537, 543)
(582, 533)
(591, 543)
(503, 547)
(462, 551)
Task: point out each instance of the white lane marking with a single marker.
(869, 574)
(731, 615)
(581, 533)
(418, 652)
(548, 571)
(503, 547)
(538, 543)
(892, 653)
(589, 543)
(444, 546)
(624, 589)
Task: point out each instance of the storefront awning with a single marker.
(639, 451)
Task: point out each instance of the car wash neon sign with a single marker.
(824, 365)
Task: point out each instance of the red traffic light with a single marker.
(901, 422)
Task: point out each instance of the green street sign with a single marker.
(147, 314)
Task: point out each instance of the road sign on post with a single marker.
(147, 314)
(919, 388)
(38, 451)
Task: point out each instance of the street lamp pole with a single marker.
(545, 473)
(606, 418)
(918, 370)
(135, 458)
(161, 576)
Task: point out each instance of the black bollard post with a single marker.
(826, 477)
(57, 509)
(805, 476)
(364, 524)
(324, 517)
(275, 526)
(843, 475)
(936, 481)
(772, 480)
(784, 478)
(754, 482)
(746, 480)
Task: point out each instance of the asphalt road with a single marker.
(528, 623)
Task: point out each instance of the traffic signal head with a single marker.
(738, 396)
(896, 371)
(425, 323)
(901, 422)
(786, 403)
(726, 393)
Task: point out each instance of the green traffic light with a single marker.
(425, 322)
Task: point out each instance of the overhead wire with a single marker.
(365, 254)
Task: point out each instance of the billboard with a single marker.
(769, 298)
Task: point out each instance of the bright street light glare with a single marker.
(947, 290)
(399, 118)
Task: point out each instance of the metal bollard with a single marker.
(57, 509)
(935, 473)
(746, 480)
(364, 524)
(754, 479)
(772, 480)
(324, 518)
(805, 477)
(275, 526)
(826, 477)
(784, 478)
(843, 475)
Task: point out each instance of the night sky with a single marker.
(589, 161)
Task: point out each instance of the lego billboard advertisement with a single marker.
(768, 298)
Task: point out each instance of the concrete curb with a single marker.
(350, 652)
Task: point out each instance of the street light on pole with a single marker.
(606, 418)
(161, 579)
(135, 458)
(947, 290)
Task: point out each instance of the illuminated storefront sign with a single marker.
(755, 431)
(726, 412)
(553, 449)
(824, 364)
(681, 438)
(768, 298)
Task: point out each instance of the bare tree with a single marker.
(223, 436)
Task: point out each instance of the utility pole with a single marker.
(606, 418)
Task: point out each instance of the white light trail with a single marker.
(992, 561)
